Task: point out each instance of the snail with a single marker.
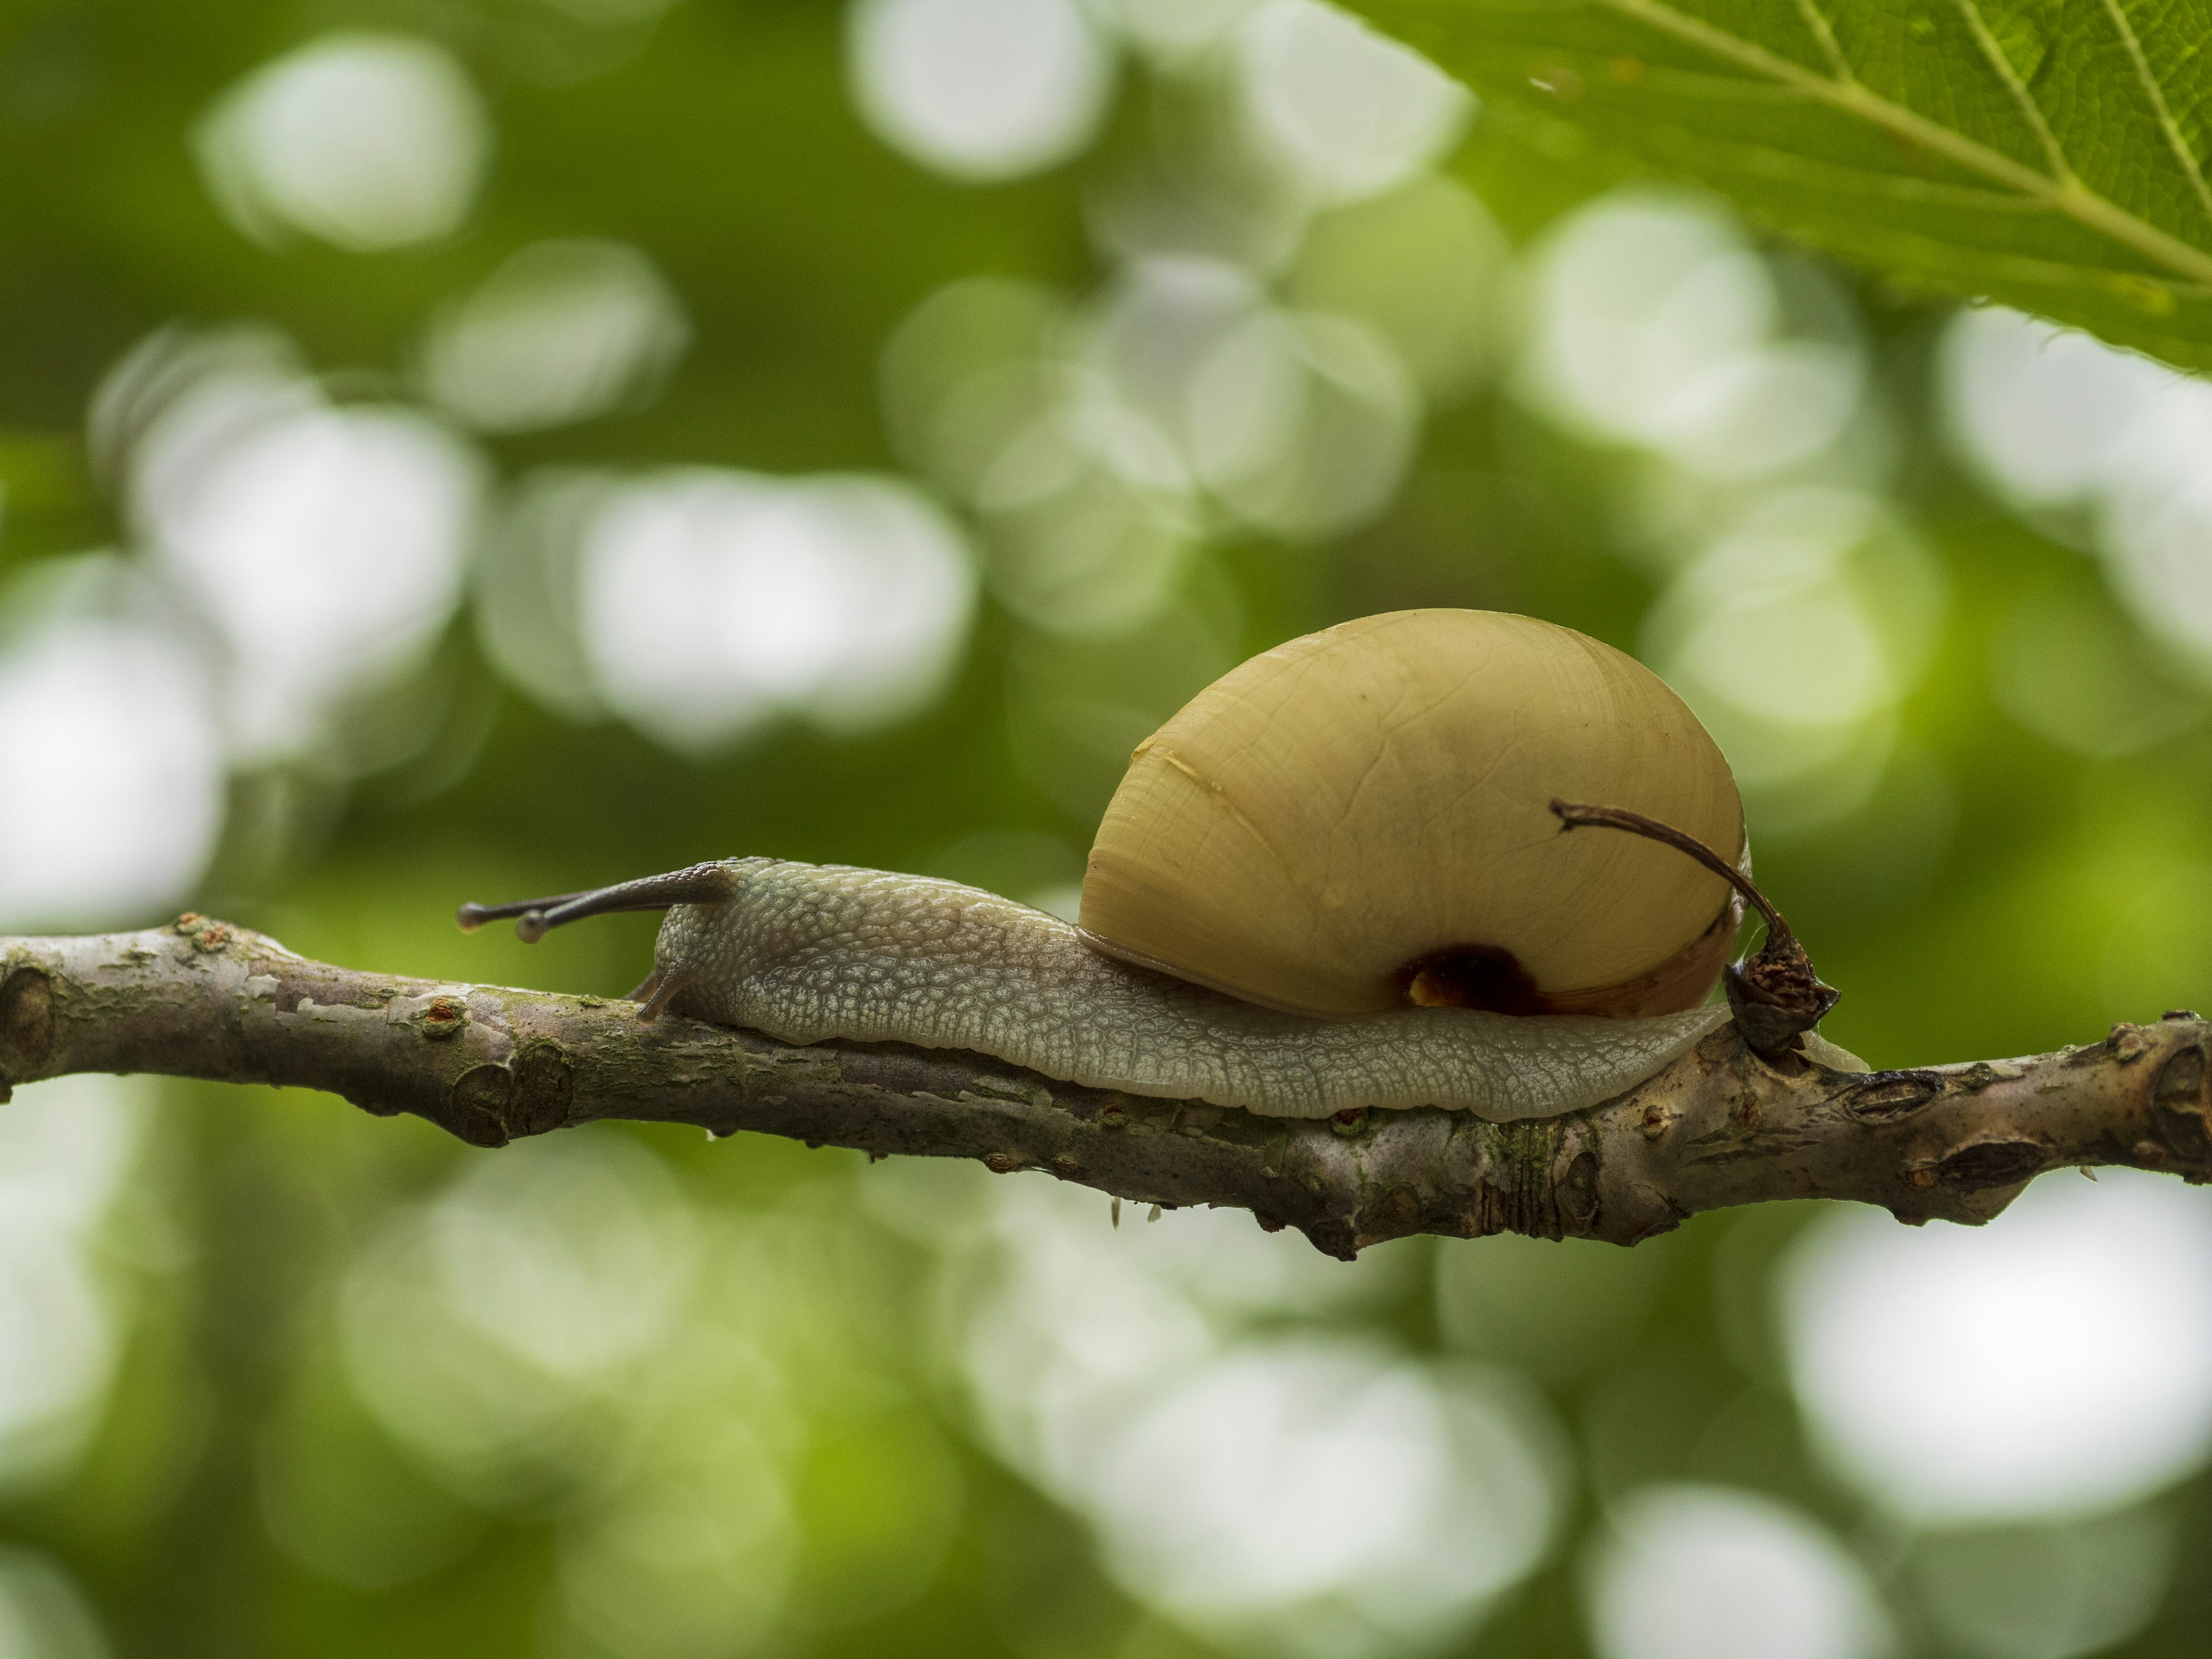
(1331, 881)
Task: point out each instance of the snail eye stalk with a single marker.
(1774, 992)
(700, 884)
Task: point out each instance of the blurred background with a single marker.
(473, 448)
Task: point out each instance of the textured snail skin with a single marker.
(807, 953)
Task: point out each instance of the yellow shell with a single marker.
(1360, 818)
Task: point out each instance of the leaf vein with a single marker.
(1824, 31)
(2066, 194)
(2156, 93)
(2031, 111)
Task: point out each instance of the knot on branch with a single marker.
(27, 1026)
(1528, 1169)
(491, 1105)
(1886, 1096)
(2179, 1111)
(1986, 1164)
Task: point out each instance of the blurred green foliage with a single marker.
(790, 1457)
(2030, 154)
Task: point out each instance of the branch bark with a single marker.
(1721, 1126)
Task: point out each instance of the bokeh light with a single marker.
(576, 1332)
(550, 1271)
(324, 542)
(2048, 415)
(65, 1148)
(711, 601)
(1971, 1374)
(1421, 265)
(1324, 1500)
(2055, 420)
(107, 719)
(1174, 31)
(368, 141)
(980, 89)
(1708, 1572)
(1097, 443)
(1303, 425)
(1351, 110)
(1304, 1497)
(1795, 636)
(1653, 322)
(43, 1614)
(561, 332)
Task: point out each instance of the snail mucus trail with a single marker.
(1332, 839)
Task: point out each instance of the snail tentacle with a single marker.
(1776, 995)
(699, 883)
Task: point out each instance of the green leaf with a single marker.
(2046, 153)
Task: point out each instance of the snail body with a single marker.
(807, 952)
(1331, 882)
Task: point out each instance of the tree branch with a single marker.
(1720, 1126)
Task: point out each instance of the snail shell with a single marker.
(1360, 818)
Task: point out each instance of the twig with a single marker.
(1721, 1126)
